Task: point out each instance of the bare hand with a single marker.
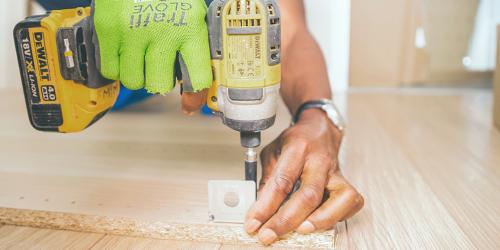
(306, 152)
(193, 102)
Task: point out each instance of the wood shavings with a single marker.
(217, 233)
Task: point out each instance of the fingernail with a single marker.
(267, 236)
(252, 226)
(306, 228)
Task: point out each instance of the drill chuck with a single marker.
(250, 139)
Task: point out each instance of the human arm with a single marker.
(307, 151)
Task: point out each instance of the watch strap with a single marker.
(325, 105)
(316, 104)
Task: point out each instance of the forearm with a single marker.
(304, 76)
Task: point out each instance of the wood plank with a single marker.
(342, 236)
(402, 210)
(138, 173)
(464, 153)
(12, 237)
(425, 160)
(453, 158)
(117, 242)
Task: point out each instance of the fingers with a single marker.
(280, 184)
(360, 203)
(196, 56)
(268, 158)
(108, 56)
(160, 60)
(301, 204)
(344, 201)
(192, 102)
(132, 65)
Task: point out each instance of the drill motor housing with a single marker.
(245, 43)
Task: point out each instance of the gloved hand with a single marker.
(139, 40)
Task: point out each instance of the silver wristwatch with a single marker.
(328, 107)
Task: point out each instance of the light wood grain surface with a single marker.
(143, 173)
(427, 162)
(12, 237)
(496, 84)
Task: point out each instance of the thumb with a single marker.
(192, 102)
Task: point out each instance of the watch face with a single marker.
(334, 115)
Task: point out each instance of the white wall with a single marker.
(483, 45)
(329, 22)
(11, 12)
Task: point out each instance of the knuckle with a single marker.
(352, 195)
(312, 196)
(360, 200)
(283, 184)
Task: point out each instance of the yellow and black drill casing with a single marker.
(245, 46)
(63, 88)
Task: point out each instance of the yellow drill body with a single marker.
(246, 50)
(245, 43)
(54, 60)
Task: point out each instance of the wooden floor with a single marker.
(427, 162)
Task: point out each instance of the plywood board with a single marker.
(117, 242)
(140, 173)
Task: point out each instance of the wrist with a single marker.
(312, 115)
(319, 118)
(321, 112)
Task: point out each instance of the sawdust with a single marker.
(216, 233)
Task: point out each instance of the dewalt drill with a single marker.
(63, 89)
(65, 92)
(245, 41)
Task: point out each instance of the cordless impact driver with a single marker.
(65, 92)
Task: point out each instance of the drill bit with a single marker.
(250, 141)
(251, 165)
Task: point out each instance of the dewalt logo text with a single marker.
(42, 60)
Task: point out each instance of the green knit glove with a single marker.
(139, 40)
